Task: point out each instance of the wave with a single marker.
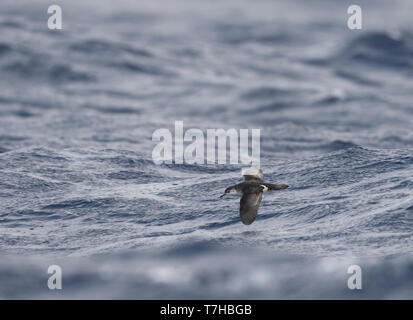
(379, 48)
(78, 110)
(34, 68)
(206, 270)
(100, 47)
(4, 49)
(374, 49)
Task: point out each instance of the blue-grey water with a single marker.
(78, 186)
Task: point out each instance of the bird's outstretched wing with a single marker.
(253, 174)
(249, 205)
(272, 186)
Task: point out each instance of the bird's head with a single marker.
(229, 190)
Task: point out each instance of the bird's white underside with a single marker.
(256, 172)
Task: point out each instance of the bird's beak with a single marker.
(222, 195)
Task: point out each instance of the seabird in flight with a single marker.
(252, 189)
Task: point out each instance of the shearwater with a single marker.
(252, 189)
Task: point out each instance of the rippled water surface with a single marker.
(78, 108)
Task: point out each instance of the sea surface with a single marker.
(79, 188)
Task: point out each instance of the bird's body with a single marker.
(252, 189)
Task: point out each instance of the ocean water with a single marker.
(78, 186)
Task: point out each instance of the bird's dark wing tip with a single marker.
(247, 222)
